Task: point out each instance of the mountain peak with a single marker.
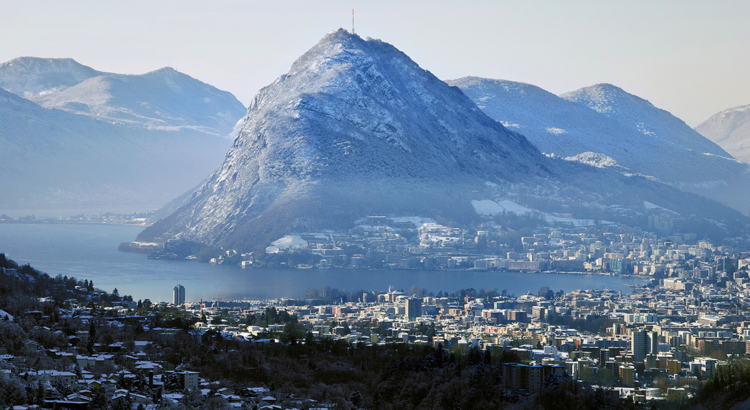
(164, 72)
(373, 91)
(605, 87)
(605, 98)
(26, 76)
(27, 61)
(348, 131)
(730, 129)
(339, 46)
(642, 116)
(340, 34)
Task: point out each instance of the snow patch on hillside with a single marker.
(4, 314)
(418, 221)
(286, 242)
(489, 207)
(649, 206)
(556, 131)
(575, 222)
(595, 159)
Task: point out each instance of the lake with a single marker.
(90, 252)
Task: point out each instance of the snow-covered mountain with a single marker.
(163, 99)
(55, 159)
(357, 128)
(605, 126)
(100, 139)
(641, 116)
(30, 76)
(354, 127)
(730, 129)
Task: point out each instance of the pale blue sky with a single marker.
(688, 57)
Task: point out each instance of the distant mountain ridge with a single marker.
(607, 121)
(162, 99)
(101, 139)
(642, 116)
(29, 76)
(730, 129)
(357, 128)
(55, 159)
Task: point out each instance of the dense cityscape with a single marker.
(690, 321)
(510, 243)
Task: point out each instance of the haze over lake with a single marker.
(90, 252)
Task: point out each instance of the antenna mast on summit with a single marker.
(352, 21)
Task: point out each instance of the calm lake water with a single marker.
(90, 252)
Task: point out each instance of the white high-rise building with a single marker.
(178, 295)
(653, 342)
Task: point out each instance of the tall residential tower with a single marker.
(178, 295)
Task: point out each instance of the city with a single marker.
(658, 343)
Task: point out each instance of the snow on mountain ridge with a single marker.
(640, 114)
(56, 159)
(595, 159)
(102, 139)
(605, 119)
(28, 76)
(163, 99)
(731, 130)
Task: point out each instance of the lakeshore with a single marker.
(90, 251)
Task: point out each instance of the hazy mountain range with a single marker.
(730, 129)
(605, 126)
(357, 128)
(354, 128)
(84, 138)
(161, 99)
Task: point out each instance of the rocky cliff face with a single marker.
(354, 127)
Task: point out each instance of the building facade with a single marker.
(178, 295)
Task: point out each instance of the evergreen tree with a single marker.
(99, 401)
